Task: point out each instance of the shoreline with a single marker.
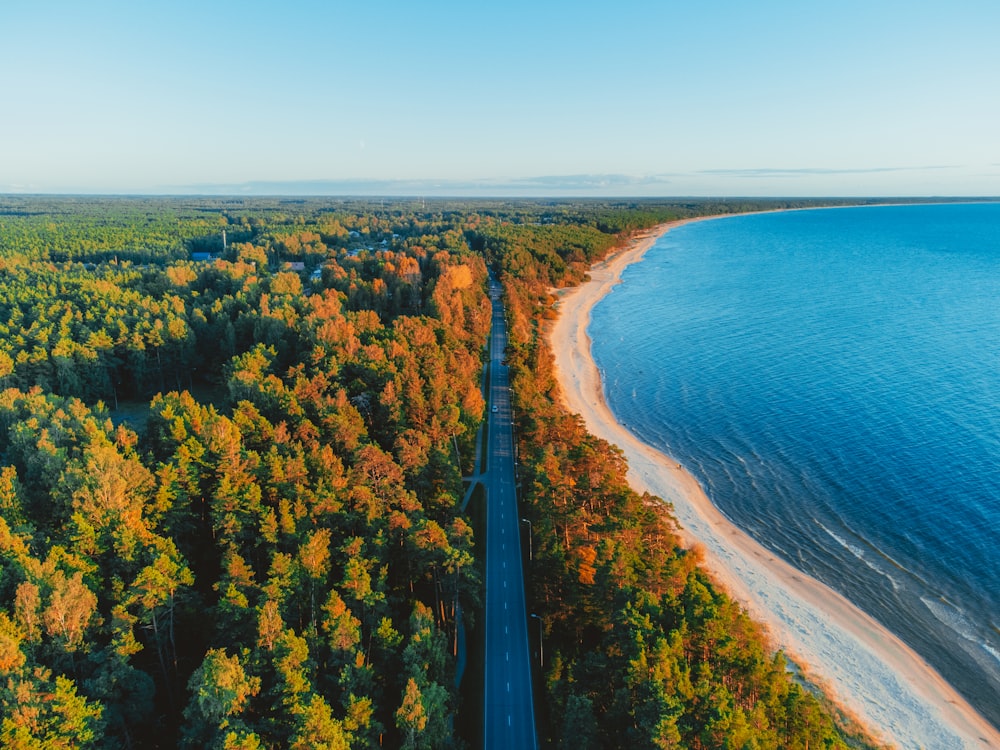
(860, 664)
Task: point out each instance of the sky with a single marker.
(548, 97)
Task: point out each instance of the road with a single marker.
(509, 712)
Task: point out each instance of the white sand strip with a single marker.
(863, 666)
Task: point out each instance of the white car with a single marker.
(496, 409)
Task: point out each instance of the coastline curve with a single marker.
(862, 665)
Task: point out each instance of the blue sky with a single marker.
(626, 98)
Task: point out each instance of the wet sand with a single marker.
(860, 664)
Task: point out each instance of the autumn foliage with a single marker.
(276, 561)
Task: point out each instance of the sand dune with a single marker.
(864, 667)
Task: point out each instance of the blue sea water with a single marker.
(832, 377)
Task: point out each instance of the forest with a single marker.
(233, 435)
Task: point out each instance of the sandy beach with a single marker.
(863, 666)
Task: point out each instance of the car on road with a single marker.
(496, 409)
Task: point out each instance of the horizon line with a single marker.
(597, 185)
(417, 196)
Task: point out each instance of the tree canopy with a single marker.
(232, 440)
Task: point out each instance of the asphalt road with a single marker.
(509, 712)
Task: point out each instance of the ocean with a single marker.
(832, 378)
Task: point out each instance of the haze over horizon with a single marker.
(390, 98)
